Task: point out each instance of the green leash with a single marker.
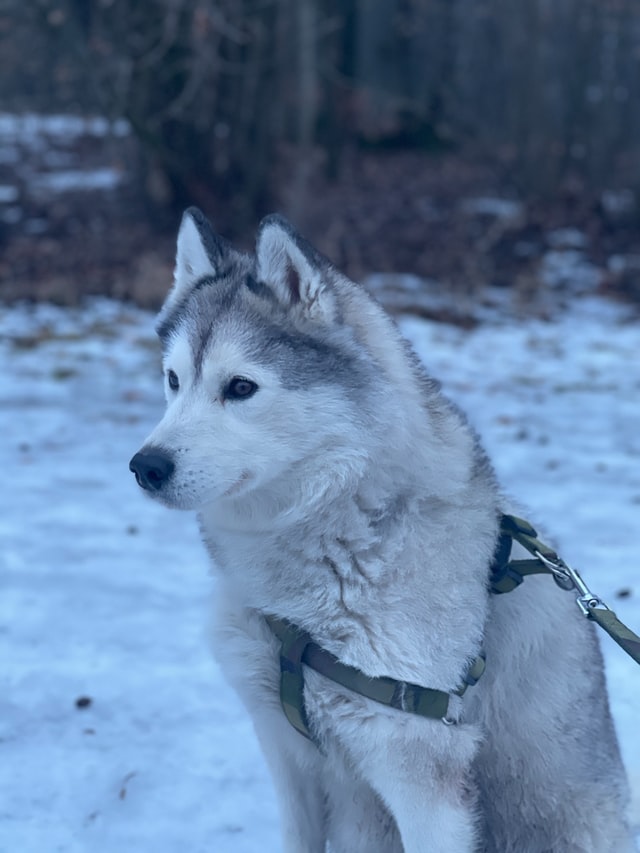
(507, 574)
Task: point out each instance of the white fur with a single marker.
(366, 516)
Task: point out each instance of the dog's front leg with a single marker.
(248, 654)
(295, 769)
(434, 819)
(426, 784)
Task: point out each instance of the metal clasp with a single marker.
(568, 578)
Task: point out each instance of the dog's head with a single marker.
(265, 382)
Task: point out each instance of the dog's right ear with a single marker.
(197, 251)
(200, 254)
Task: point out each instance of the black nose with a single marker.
(152, 468)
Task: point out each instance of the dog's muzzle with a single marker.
(152, 468)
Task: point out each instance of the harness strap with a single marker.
(294, 645)
(507, 574)
(298, 648)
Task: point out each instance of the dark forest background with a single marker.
(455, 139)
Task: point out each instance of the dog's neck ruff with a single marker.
(297, 648)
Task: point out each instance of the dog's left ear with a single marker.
(295, 271)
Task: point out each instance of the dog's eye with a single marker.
(172, 378)
(240, 388)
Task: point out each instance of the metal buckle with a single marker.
(568, 578)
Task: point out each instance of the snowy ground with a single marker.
(104, 594)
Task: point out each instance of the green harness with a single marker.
(297, 647)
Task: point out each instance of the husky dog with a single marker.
(339, 490)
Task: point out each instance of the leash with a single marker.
(297, 647)
(508, 574)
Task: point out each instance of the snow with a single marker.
(105, 594)
(50, 155)
(32, 127)
(499, 208)
(8, 194)
(562, 267)
(78, 179)
(568, 238)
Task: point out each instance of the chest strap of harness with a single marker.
(297, 648)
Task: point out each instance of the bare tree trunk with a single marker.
(307, 102)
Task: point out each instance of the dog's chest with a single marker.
(336, 561)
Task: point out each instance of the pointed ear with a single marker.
(298, 275)
(200, 253)
(197, 251)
